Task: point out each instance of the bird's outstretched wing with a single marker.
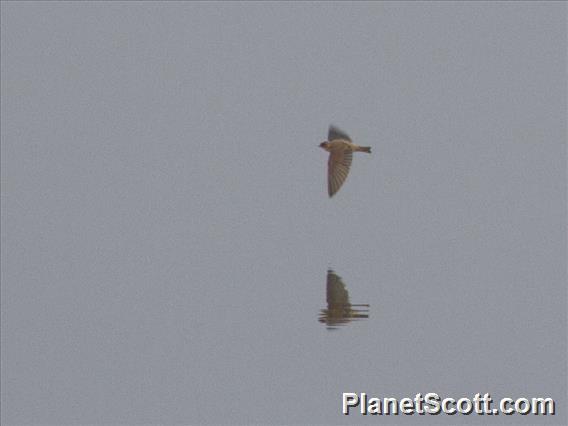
(338, 169)
(334, 133)
(337, 294)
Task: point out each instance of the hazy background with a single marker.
(166, 228)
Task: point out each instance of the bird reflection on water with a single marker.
(339, 310)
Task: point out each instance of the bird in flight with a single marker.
(340, 148)
(340, 310)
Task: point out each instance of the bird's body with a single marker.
(341, 149)
(339, 310)
(341, 145)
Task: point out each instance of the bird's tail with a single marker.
(366, 149)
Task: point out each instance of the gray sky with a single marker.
(166, 229)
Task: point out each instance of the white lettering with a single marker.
(539, 407)
(374, 406)
(522, 406)
(468, 406)
(445, 406)
(406, 406)
(432, 400)
(349, 400)
(503, 406)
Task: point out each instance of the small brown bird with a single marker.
(339, 310)
(340, 148)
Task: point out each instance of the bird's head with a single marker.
(324, 144)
